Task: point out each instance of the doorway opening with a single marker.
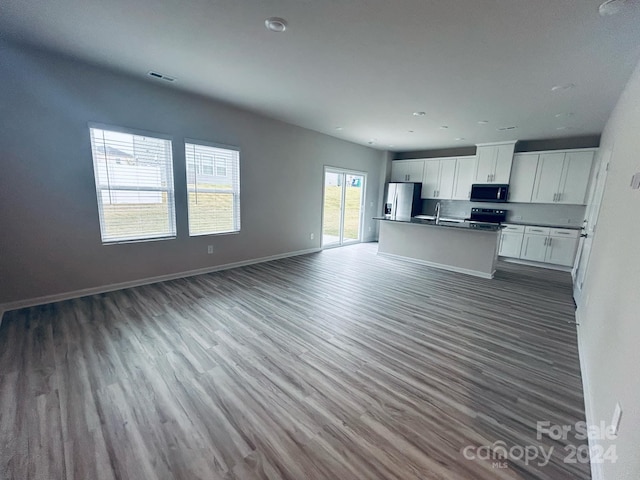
(343, 207)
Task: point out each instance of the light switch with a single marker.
(615, 421)
(635, 181)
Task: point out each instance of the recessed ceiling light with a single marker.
(483, 122)
(459, 139)
(561, 88)
(391, 145)
(504, 129)
(419, 114)
(611, 7)
(276, 24)
(339, 128)
(444, 127)
(563, 128)
(561, 115)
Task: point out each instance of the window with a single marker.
(214, 201)
(134, 185)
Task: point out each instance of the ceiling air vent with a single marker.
(159, 76)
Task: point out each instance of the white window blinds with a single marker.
(213, 185)
(134, 184)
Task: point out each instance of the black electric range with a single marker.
(487, 215)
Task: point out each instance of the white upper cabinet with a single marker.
(464, 176)
(563, 177)
(407, 170)
(575, 179)
(494, 163)
(523, 176)
(431, 178)
(547, 180)
(438, 178)
(447, 177)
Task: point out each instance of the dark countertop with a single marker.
(476, 226)
(546, 225)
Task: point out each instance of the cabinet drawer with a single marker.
(537, 230)
(513, 228)
(563, 232)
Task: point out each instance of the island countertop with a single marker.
(474, 226)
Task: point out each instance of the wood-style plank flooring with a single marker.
(338, 365)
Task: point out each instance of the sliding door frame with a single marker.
(343, 171)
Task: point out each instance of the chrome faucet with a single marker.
(437, 213)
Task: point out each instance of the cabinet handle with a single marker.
(488, 177)
(559, 196)
(550, 239)
(545, 241)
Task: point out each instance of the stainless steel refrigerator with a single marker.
(403, 201)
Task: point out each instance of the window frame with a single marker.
(236, 194)
(169, 189)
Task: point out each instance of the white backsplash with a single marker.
(570, 215)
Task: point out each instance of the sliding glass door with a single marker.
(342, 207)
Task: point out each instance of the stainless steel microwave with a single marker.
(490, 192)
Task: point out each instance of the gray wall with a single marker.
(610, 311)
(50, 234)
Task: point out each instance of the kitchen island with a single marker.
(464, 247)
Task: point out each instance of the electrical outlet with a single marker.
(369, 229)
(517, 217)
(312, 236)
(209, 249)
(615, 421)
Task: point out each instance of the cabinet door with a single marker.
(561, 251)
(447, 175)
(534, 247)
(415, 171)
(523, 176)
(399, 171)
(465, 173)
(575, 177)
(547, 183)
(486, 163)
(510, 244)
(431, 178)
(504, 160)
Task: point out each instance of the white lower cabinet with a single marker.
(555, 246)
(562, 247)
(534, 247)
(511, 241)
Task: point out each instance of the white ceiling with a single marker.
(365, 65)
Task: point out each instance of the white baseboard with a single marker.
(548, 266)
(31, 302)
(596, 468)
(450, 268)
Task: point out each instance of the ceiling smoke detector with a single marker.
(611, 7)
(276, 24)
